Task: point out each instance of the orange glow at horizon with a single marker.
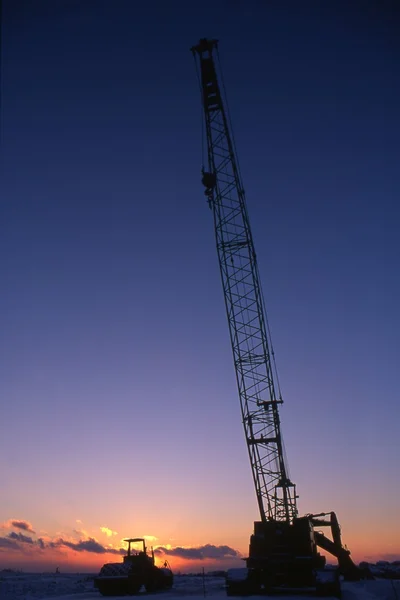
(86, 550)
(72, 561)
(363, 548)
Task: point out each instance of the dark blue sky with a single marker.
(112, 312)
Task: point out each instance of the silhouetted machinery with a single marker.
(137, 569)
(283, 552)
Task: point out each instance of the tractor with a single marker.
(137, 569)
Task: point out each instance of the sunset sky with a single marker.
(119, 411)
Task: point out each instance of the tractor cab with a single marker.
(134, 556)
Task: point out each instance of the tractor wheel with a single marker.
(133, 586)
(168, 582)
(165, 578)
(151, 586)
(154, 582)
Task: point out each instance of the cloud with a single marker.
(199, 553)
(5, 542)
(81, 533)
(23, 543)
(108, 532)
(19, 524)
(18, 541)
(19, 537)
(89, 545)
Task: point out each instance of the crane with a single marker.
(283, 548)
(256, 378)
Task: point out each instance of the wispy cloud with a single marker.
(18, 524)
(5, 542)
(19, 537)
(81, 533)
(108, 532)
(90, 545)
(26, 544)
(199, 553)
(18, 541)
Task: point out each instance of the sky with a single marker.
(119, 411)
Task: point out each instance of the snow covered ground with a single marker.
(25, 586)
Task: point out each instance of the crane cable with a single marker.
(232, 135)
(228, 113)
(268, 340)
(256, 456)
(201, 111)
(274, 372)
(240, 178)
